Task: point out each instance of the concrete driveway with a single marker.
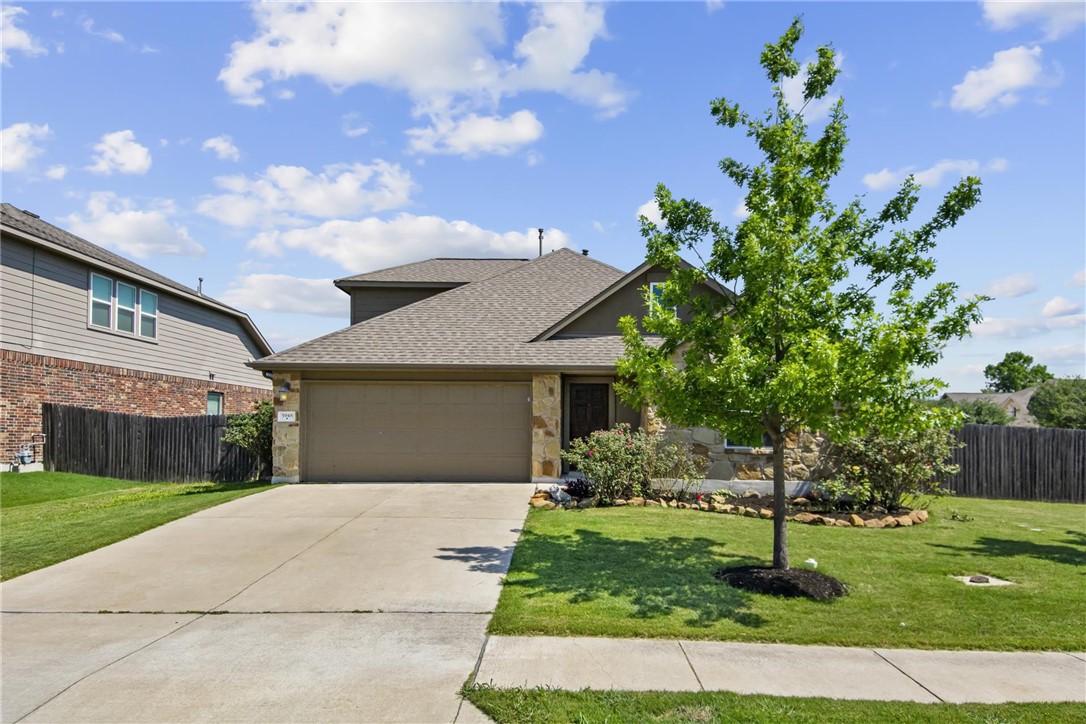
(322, 603)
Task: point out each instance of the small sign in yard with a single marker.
(286, 416)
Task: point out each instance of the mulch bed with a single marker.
(789, 582)
(818, 507)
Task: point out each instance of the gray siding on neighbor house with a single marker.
(44, 302)
(370, 302)
(628, 300)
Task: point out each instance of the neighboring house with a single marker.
(463, 369)
(83, 326)
(1015, 404)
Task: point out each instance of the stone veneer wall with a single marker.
(804, 456)
(286, 436)
(546, 426)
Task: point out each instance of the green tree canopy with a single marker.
(1060, 403)
(1015, 372)
(979, 412)
(831, 309)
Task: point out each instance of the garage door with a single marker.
(417, 432)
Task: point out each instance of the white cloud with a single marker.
(224, 148)
(1066, 354)
(285, 293)
(1015, 285)
(18, 144)
(1055, 18)
(1000, 83)
(741, 211)
(651, 211)
(353, 129)
(712, 6)
(1078, 279)
(1060, 307)
(282, 193)
(373, 243)
(933, 175)
(472, 134)
(818, 108)
(1019, 328)
(120, 152)
(111, 35)
(444, 56)
(12, 37)
(117, 223)
(56, 173)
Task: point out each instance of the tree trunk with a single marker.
(780, 530)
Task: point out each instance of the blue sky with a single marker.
(272, 148)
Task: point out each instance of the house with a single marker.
(83, 326)
(1015, 404)
(466, 369)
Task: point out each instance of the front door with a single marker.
(589, 408)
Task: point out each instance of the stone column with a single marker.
(286, 436)
(546, 428)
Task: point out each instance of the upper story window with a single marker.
(122, 307)
(656, 291)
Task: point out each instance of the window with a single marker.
(126, 308)
(656, 291)
(214, 403)
(148, 314)
(122, 307)
(101, 301)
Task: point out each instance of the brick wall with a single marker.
(28, 380)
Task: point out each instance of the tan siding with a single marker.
(370, 302)
(603, 319)
(51, 304)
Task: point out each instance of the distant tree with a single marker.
(826, 323)
(979, 412)
(1060, 403)
(1015, 372)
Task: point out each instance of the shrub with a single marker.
(580, 488)
(621, 463)
(1060, 403)
(252, 431)
(980, 412)
(886, 469)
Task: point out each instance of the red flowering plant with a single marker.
(622, 463)
(889, 469)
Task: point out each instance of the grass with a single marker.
(46, 518)
(647, 572)
(542, 705)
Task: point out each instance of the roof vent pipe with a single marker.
(200, 285)
(584, 252)
(541, 242)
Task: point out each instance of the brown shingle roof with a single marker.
(438, 271)
(32, 225)
(488, 323)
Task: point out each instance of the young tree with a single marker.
(979, 412)
(1060, 403)
(825, 323)
(1015, 372)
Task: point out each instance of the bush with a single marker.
(980, 412)
(886, 469)
(621, 463)
(252, 431)
(1060, 403)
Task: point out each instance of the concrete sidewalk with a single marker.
(783, 670)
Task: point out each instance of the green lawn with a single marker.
(539, 705)
(46, 518)
(647, 572)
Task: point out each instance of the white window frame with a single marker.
(145, 314)
(118, 307)
(114, 305)
(222, 402)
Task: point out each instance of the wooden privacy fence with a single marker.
(136, 447)
(1021, 463)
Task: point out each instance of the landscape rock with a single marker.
(873, 523)
(652, 503)
(888, 522)
(826, 520)
(544, 503)
(904, 520)
(765, 513)
(919, 516)
(588, 503)
(842, 524)
(683, 506)
(750, 512)
(716, 508)
(855, 520)
(729, 508)
(672, 504)
(703, 505)
(806, 517)
(619, 502)
(801, 501)
(636, 501)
